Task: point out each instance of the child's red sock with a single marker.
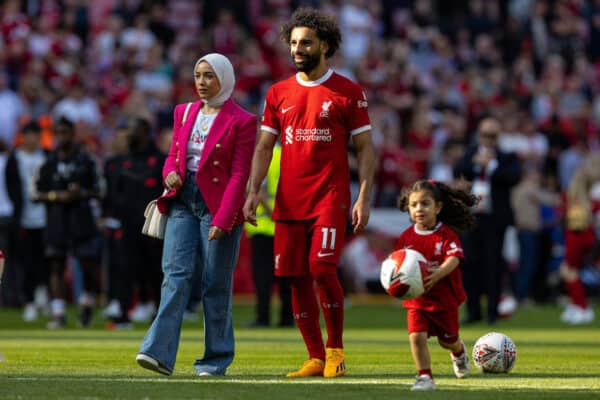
(425, 372)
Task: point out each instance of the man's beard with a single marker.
(310, 62)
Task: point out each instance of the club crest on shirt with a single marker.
(438, 248)
(325, 109)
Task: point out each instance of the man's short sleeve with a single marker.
(358, 112)
(270, 121)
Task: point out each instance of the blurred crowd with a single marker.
(431, 70)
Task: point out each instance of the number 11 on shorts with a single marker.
(328, 237)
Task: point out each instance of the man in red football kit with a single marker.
(314, 113)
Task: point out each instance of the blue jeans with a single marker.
(528, 262)
(188, 253)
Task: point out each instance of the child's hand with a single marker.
(432, 278)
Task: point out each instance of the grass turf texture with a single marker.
(554, 361)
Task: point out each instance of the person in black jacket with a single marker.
(113, 249)
(65, 183)
(138, 182)
(492, 173)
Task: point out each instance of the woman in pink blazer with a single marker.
(205, 174)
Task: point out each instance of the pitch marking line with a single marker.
(307, 381)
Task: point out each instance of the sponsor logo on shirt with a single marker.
(284, 110)
(310, 135)
(289, 135)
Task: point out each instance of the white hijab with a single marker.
(224, 71)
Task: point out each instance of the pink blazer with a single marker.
(225, 163)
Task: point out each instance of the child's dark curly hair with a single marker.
(456, 203)
(324, 25)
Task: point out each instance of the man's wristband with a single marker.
(51, 195)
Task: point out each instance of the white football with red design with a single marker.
(494, 352)
(402, 274)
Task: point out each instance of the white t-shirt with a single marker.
(33, 215)
(197, 139)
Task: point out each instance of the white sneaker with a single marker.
(204, 373)
(581, 316)
(461, 365)
(150, 363)
(41, 299)
(142, 312)
(30, 313)
(113, 309)
(507, 306)
(423, 383)
(567, 313)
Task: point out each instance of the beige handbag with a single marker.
(155, 223)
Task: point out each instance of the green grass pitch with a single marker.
(554, 361)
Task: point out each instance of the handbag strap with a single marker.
(185, 113)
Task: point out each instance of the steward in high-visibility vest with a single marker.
(266, 225)
(263, 266)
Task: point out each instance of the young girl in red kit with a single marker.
(438, 213)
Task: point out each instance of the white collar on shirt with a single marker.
(422, 232)
(314, 83)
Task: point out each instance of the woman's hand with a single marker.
(173, 181)
(216, 233)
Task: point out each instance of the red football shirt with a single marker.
(314, 120)
(436, 246)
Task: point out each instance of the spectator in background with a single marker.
(452, 152)
(263, 266)
(78, 107)
(138, 182)
(9, 293)
(492, 174)
(66, 182)
(114, 249)
(30, 218)
(527, 199)
(12, 109)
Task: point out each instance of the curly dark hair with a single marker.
(324, 25)
(455, 211)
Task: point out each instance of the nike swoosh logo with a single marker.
(324, 254)
(284, 110)
(393, 277)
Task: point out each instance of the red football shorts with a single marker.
(298, 244)
(577, 245)
(443, 324)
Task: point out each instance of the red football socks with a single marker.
(331, 296)
(576, 292)
(306, 314)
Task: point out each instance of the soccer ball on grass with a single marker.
(494, 352)
(402, 274)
